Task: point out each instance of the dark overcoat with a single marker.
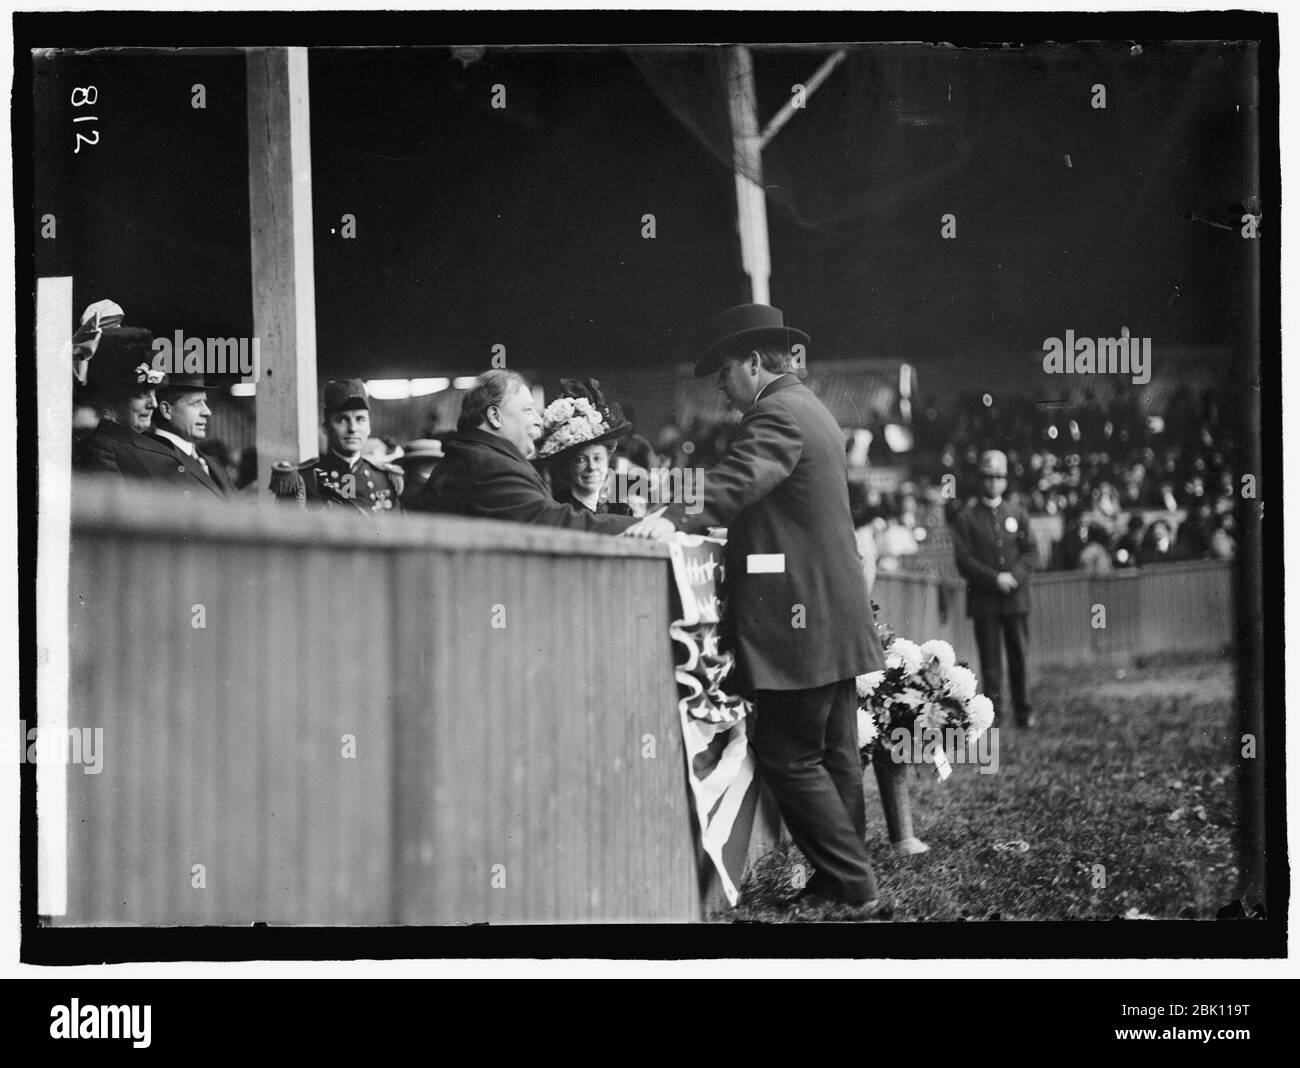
(165, 463)
(110, 449)
(483, 475)
(798, 614)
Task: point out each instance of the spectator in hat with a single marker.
(1159, 547)
(781, 490)
(486, 472)
(1195, 532)
(418, 459)
(996, 554)
(382, 450)
(575, 451)
(1095, 557)
(341, 477)
(170, 449)
(121, 385)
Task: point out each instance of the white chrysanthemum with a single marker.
(961, 683)
(932, 715)
(981, 715)
(866, 728)
(941, 651)
(867, 683)
(905, 652)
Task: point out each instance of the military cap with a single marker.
(345, 394)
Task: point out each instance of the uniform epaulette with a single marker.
(287, 482)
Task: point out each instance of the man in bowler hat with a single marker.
(797, 610)
(170, 449)
(996, 554)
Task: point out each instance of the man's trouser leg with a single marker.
(842, 759)
(988, 639)
(791, 736)
(1016, 629)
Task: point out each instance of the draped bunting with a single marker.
(719, 765)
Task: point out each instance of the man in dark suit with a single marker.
(797, 608)
(120, 384)
(996, 554)
(170, 451)
(485, 470)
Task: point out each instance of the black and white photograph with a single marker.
(660, 486)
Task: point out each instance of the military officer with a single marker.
(341, 477)
(996, 554)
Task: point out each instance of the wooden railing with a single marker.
(310, 718)
(314, 719)
(1162, 609)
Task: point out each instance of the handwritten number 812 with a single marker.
(88, 95)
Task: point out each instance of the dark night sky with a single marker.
(478, 226)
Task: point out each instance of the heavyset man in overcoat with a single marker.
(797, 607)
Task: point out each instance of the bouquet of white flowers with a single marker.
(921, 705)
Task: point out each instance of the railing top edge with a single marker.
(102, 504)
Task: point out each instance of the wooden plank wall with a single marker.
(498, 771)
(1166, 609)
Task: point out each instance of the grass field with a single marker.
(1121, 803)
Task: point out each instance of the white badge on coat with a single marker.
(1011, 524)
(765, 564)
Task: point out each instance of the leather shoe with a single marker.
(808, 903)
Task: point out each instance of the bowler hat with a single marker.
(745, 324)
(345, 394)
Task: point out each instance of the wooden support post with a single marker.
(280, 225)
(751, 202)
(54, 432)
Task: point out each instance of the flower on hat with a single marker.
(569, 421)
(146, 374)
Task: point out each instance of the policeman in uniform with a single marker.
(342, 477)
(996, 554)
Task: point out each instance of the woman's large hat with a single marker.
(123, 364)
(745, 324)
(577, 418)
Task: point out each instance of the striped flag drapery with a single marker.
(719, 765)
